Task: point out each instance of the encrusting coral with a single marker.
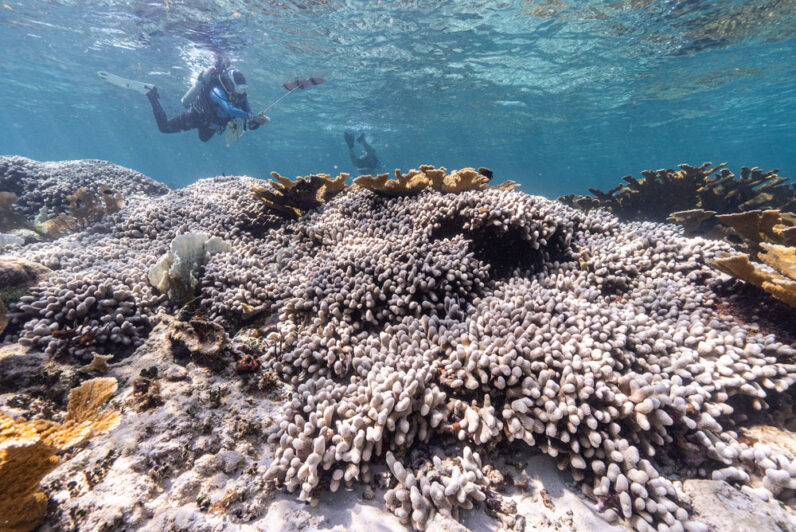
(28, 451)
(293, 198)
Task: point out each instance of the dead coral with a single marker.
(89, 206)
(247, 364)
(666, 191)
(293, 198)
(3, 317)
(205, 342)
(61, 225)
(28, 451)
(146, 391)
(99, 364)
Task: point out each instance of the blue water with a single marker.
(558, 95)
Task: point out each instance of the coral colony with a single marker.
(418, 327)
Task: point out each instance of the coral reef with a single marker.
(99, 298)
(707, 187)
(58, 198)
(85, 208)
(293, 198)
(755, 227)
(28, 451)
(49, 184)
(423, 333)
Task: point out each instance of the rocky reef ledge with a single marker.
(438, 356)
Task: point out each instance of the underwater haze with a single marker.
(559, 95)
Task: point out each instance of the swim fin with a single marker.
(138, 86)
(349, 138)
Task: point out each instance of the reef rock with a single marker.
(720, 506)
(18, 273)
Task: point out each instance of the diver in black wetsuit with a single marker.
(216, 100)
(368, 163)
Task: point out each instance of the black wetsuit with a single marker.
(368, 163)
(209, 113)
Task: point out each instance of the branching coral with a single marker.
(457, 180)
(765, 236)
(400, 338)
(755, 227)
(666, 191)
(89, 206)
(444, 487)
(293, 198)
(691, 220)
(780, 283)
(415, 181)
(410, 183)
(28, 451)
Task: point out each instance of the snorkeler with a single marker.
(368, 163)
(216, 101)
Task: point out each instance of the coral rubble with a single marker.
(417, 336)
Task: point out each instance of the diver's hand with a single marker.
(261, 118)
(257, 120)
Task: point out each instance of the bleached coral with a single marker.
(175, 273)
